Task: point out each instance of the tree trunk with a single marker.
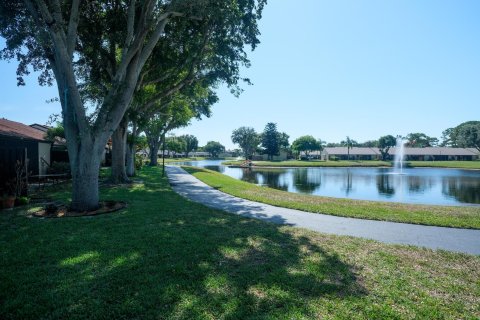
(119, 141)
(131, 150)
(131, 159)
(154, 154)
(85, 195)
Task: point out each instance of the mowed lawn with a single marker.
(446, 216)
(312, 163)
(164, 257)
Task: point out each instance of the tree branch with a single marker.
(152, 42)
(57, 13)
(72, 27)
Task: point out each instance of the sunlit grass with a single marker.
(314, 163)
(360, 163)
(448, 216)
(164, 257)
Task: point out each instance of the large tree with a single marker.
(270, 140)
(247, 139)
(306, 144)
(384, 144)
(177, 113)
(96, 50)
(465, 135)
(214, 148)
(420, 140)
(187, 58)
(190, 143)
(174, 145)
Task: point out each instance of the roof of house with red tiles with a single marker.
(19, 130)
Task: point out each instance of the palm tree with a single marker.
(349, 143)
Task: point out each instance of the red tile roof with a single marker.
(19, 130)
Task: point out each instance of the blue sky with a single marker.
(335, 68)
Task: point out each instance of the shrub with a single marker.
(21, 201)
(138, 162)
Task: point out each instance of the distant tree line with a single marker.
(271, 141)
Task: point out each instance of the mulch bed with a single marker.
(54, 210)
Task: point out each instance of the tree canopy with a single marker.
(306, 144)
(420, 140)
(214, 148)
(270, 140)
(384, 145)
(175, 144)
(247, 139)
(465, 135)
(56, 132)
(190, 143)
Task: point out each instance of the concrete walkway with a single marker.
(451, 239)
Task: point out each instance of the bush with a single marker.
(21, 201)
(138, 162)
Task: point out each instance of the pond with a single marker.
(416, 185)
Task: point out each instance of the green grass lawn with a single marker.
(314, 163)
(446, 164)
(164, 257)
(360, 163)
(448, 216)
(170, 160)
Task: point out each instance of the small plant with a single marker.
(18, 184)
(21, 201)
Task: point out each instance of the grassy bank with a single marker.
(360, 163)
(313, 163)
(446, 164)
(448, 216)
(170, 160)
(164, 257)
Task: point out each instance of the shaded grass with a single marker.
(360, 163)
(447, 216)
(164, 257)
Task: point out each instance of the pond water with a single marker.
(416, 185)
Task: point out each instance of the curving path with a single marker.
(451, 239)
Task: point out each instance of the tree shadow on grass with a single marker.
(165, 257)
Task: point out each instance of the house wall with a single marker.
(44, 157)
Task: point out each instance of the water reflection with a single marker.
(418, 185)
(273, 178)
(385, 185)
(347, 182)
(305, 181)
(464, 191)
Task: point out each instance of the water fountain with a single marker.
(399, 155)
